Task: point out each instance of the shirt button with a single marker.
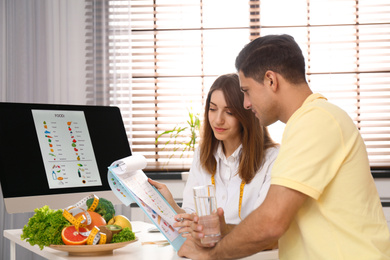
(223, 197)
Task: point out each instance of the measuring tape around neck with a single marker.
(242, 186)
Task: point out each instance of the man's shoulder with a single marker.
(321, 108)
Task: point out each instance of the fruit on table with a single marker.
(107, 231)
(115, 229)
(96, 219)
(120, 220)
(70, 236)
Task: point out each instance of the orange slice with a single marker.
(70, 236)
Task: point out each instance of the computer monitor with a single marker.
(56, 155)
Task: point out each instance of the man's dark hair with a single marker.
(278, 53)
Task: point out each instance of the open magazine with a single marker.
(130, 184)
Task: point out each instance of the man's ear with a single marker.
(271, 80)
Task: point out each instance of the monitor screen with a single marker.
(56, 154)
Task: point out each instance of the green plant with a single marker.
(191, 132)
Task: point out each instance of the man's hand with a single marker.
(191, 247)
(225, 228)
(259, 231)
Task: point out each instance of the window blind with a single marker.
(347, 48)
(178, 48)
(164, 55)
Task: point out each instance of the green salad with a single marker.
(45, 227)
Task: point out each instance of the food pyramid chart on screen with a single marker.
(66, 149)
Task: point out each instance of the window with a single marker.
(164, 55)
(178, 48)
(347, 48)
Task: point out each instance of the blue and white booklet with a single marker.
(130, 184)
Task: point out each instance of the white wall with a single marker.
(383, 186)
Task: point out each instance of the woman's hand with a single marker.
(163, 189)
(189, 226)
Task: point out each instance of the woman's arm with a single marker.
(163, 189)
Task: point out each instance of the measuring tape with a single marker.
(94, 235)
(242, 186)
(81, 221)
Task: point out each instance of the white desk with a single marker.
(132, 251)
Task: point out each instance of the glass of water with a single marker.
(206, 208)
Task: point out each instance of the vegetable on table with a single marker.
(104, 208)
(125, 235)
(45, 227)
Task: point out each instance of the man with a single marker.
(322, 203)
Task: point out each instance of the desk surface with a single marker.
(132, 251)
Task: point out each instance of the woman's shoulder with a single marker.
(269, 159)
(272, 152)
(197, 152)
(196, 165)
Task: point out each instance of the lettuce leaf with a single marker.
(125, 235)
(45, 227)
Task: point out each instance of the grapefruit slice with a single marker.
(70, 236)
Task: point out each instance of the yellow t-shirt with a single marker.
(323, 156)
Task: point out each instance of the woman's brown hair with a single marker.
(255, 139)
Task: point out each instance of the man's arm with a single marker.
(259, 231)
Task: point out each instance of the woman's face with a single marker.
(225, 125)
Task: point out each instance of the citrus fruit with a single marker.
(120, 220)
(96, 219)
(70, 236)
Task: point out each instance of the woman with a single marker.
(236, 155)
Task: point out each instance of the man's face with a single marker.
(257, 97)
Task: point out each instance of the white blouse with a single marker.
(227, 183)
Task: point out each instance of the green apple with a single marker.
(120, 220)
